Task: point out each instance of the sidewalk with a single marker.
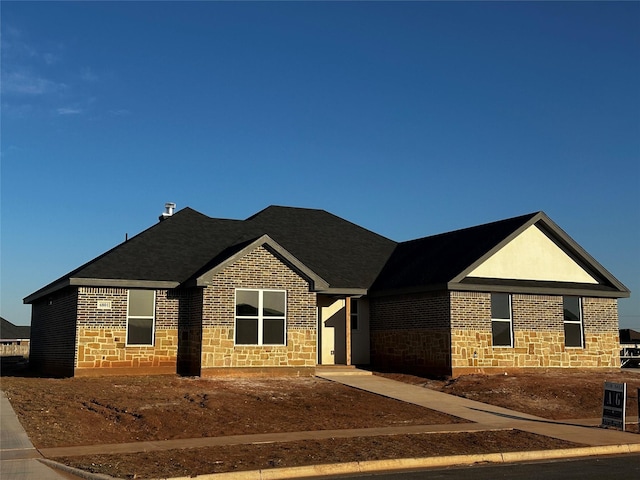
(18, 457)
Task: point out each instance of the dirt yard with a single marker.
(86, 411)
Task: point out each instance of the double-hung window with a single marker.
(573, 333)
(501, 320)
(141, 317)
(260, 317)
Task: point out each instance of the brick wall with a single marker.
(53, 334)
(102, 333)
(416, 332)
(538, 334)
(411, 332)
(258, 269)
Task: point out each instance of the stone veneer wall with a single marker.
(258, 269)
(53, 334)
(102, 334)
(538, 334)
(411, 332)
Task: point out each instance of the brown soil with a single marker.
(87, 411)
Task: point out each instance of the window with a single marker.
(501, 322)
(260, 317)
(573, 336)
(141, 317)
(354, 314)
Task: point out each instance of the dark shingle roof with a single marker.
(9, 331)
(179, 247)
(437, 259)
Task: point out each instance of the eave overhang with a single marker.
(536, 287)
(99, 282)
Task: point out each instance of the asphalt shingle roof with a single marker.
(9, 331)
(437, 259)
(182, 247)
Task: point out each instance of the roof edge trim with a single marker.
(537, 288)
(318, 283)
(122, 283)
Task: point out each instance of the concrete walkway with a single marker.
(20, 458)
(484, 415)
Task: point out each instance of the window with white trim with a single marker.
(573, 331)
(260, 317)
(501, 320)
(141, 317)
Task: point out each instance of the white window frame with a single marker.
(505, 320)
(579, 322)
(153, 324)
(260, 317)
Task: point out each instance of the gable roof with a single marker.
(335, 255)
(445, 261)
(9, 331)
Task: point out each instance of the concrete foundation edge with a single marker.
(371, 466)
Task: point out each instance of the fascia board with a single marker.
(586, 260)
(560, 237)
(100, 282)
(123, 283)
(496, 248)
(46, 291)
(540, 289)
(318, 283)
(343, 291)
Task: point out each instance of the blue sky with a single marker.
(409, 119)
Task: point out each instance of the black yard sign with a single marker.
(614, 405)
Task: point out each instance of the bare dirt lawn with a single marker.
(87, 411)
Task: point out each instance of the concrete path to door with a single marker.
(488, 416)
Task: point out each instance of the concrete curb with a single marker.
(398, 464)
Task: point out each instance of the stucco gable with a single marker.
(532, 255)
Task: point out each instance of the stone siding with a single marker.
(538, 334)
(259, 269)
(102, 334)
(411, 332)
(451, 333)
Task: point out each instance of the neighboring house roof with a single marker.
(336, 256)
(9, 331)
(629, 336)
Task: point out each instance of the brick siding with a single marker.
(102, 334)
(262, 270)
(411, 332)
(407, 332)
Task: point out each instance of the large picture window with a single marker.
(573, 333)
(140, 317)
(501, 320)
(260, 317)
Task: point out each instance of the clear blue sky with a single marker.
(409, 119)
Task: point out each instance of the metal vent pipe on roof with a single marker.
(169, 208)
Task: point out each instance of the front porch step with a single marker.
(340, 370)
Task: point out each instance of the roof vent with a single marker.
(169, 208)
